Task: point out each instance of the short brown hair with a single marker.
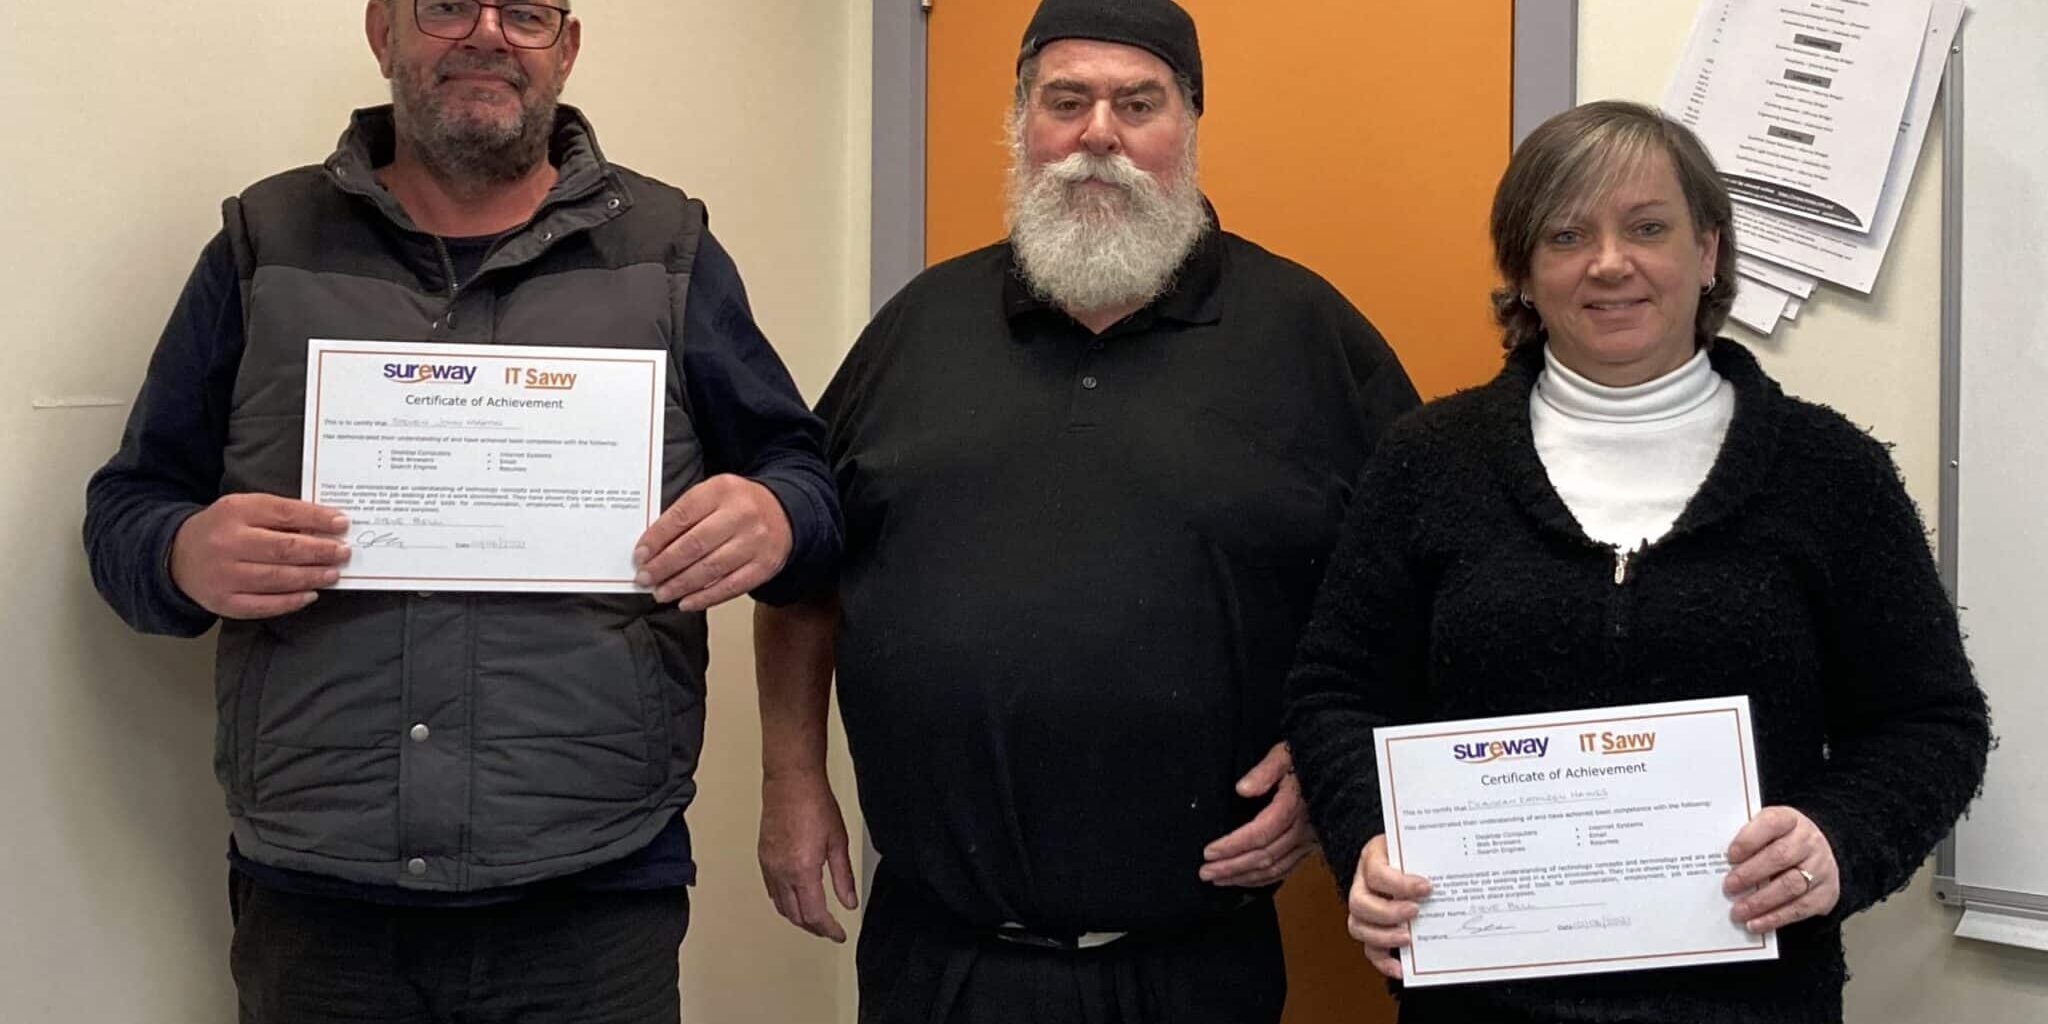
(1574, 158)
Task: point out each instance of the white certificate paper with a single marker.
(485, 467)
(1578, 842)
(1800, 101)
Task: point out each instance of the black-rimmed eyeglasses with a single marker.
(527, 26)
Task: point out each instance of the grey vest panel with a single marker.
(562, 731)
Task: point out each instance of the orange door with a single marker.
(1361, 139)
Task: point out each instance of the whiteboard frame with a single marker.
(1947, 888)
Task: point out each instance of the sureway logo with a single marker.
(1486, 751)
(429, 373)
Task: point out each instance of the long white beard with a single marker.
(1086, 249)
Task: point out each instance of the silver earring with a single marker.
(1710, 285)
(1525, 300)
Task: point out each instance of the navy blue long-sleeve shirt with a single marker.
(746, 410)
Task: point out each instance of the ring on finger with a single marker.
(1808, 875)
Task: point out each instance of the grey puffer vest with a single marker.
(454, 741)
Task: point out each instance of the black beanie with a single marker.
(1156, 25)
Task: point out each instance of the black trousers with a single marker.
(917, 965)
(567, 958)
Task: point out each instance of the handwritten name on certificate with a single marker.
(1577, 842)
(485, 467)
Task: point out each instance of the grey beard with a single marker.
(471, 151)
(1094, 251)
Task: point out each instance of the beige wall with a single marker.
(1876, 359)
(128, 126)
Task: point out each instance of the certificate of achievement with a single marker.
(485, 467)
(1577, 842)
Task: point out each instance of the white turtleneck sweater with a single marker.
(1627, 460)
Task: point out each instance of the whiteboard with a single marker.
(1995, 508)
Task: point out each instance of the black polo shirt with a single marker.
(1076, 567)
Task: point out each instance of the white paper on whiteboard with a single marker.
(1844, 257)
(1784, 279)
(1758, 306)
(1800, 102)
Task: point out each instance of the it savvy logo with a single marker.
(1487, 751)
(429, 373)
(540, 380)
(1618, 742)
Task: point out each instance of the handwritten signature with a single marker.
(1479, 925)
(379, 539)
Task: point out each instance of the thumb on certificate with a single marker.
(1382, 877)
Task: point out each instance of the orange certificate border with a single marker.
(655, 425)
(1749, 803)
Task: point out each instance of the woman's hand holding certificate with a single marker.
(1784, 871)
(1381, 903)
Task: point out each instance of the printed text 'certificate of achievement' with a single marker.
(1577, 842)
(485, 467)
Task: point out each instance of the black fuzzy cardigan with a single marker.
(1799, 575)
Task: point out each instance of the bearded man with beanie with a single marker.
(1091, 475)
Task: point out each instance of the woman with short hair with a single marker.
(1634, 512)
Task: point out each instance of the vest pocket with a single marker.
(571, 747)
(654, 710)
(242, 665)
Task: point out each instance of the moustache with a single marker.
(464, 63)
(1113, 169)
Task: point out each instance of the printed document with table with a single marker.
(1801, 101)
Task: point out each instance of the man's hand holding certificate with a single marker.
(1584, 842)
(721, 539)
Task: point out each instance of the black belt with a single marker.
(1072, 942)
(1067, 941)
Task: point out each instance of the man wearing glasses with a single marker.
(455, 806)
